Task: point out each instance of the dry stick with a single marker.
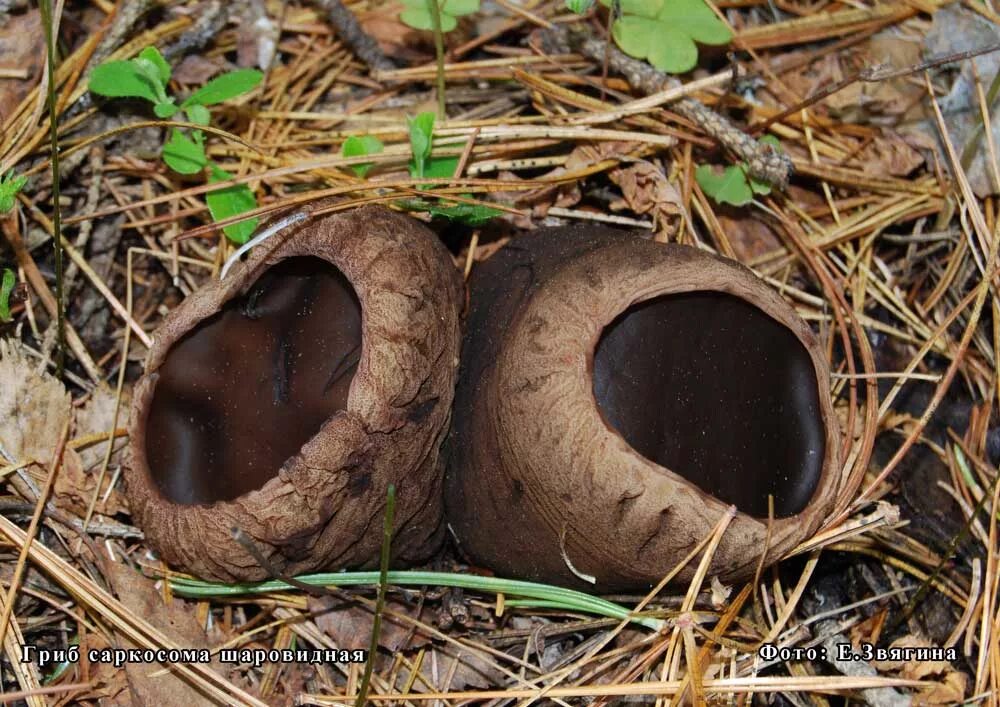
(211, 18)
(9, 697)
(350, 32)
(22, 556)
(764, 162)
(435, 12)
(390, 511)
(50, 64)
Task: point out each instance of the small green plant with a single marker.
(579, 7)
(438, 16)
(147, 77)
(664, 32)
(418, 14)
(7, 283)
(734, 185)
(9, 188)
(423, 165)
(359, 147)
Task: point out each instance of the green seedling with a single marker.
(734, 185)
(579, 7)
(147, 76)
(438, 16)
(360, 147)
(419, 14)
(9, 188)
(7, 283)
(664, 32)
(423, 165)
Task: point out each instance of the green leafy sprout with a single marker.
(7, 283)
(9, 188)
(147, 76)
(734, 185)
(579, 7)
(418, 14)
(664, 32)
(360, 146)
(438, 16)
(423, 165)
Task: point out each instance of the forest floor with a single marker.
(876, 224)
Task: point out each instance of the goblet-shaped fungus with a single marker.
(615, 396)
(285, 398)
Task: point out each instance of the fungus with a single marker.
(284, 399)
(615, 396)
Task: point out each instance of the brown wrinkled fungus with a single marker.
(284, 399)
(615, 396)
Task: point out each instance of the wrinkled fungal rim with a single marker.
(617, 277)
(240, 280)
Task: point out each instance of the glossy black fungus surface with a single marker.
(246, 388)
(710, 387)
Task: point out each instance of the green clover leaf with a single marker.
(417, 14)
(664, 32)
(358, 146)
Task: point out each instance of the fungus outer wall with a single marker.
(241, 393)
(712, 388)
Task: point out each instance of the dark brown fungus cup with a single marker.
(615, 396)
(285, 398)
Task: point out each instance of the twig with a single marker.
(351, 33)
(390, 511)
(50, 67)
(210, 21)
(764, 162)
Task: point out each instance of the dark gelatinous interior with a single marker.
(246, 388)
(710, 387)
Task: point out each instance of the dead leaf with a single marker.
(350, 625)
(646, 190)
(957, 29)
(889, 155)
(22, 46)
(195, 69)
(34, 407)
(152, 684)
(720, 593)
(749, 236)
(74, 487)
(949, 684)
(97, 417)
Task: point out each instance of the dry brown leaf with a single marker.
(949, 684)
(350, 625)
(153, 684)
(646, 190)
(749, 236)
(22, 46)
(97, 417)
(889, 155)
(34, 407)
(195, 69)
(74, 487)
